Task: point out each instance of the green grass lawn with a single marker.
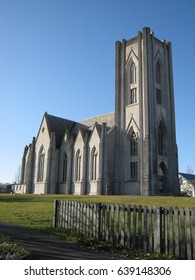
(37, 210)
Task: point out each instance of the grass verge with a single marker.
(36, 211)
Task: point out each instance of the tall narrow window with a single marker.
(132, 73)
(134, 170)
(64, 174)
(134, 144)
(158, 73)
(78, 166)
(158, 96)
(133, 95)
(94, 164)
(41, 164)
(161, 139)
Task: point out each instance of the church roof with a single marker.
(60, 125)
(107, 118)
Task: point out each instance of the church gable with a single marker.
(43, 137)
(80, 139)
(95, 134)
(80, 142)
(58, 126)
(132, 125)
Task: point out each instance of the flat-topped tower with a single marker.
(145, 115)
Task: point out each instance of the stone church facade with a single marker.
(131, 151)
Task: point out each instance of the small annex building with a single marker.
(131, 151)
(187, 183)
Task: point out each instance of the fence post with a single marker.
(55, 213)
(98, 220)
(193, 233)
(157, 228)
(188, 235)
(122, 241)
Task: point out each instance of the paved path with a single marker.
(44, 246)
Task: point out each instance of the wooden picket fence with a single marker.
(156, 229)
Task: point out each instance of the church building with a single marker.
(131, 151)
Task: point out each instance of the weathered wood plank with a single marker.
(146, 233)
(103, 222)
(112, 224)
(139, 226)
(150, 228)
(157, 228)
(176, 231)
(107, 222)
(182, 234)
(188, 235)
(117, 223)
(134, 225)
(122, 241)
(193, 233)
(128, 226)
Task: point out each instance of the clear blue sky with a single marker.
(59, 55)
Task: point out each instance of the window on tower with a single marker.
(134, 144)
(133, 73)
(133, 95)
(158, 96)
(134, 170)
(158, 73)
(161, 139)
(158, 83)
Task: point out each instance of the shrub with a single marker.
(11, 251)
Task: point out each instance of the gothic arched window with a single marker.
(78, 166)
(64, 174)
(41, 164)
(133, 73)
(133, 144)
(94, 164)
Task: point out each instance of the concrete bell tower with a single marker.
(146, 161)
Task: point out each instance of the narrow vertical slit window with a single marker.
(134, 144)
(161, 139)
(133, 73)
(64, 175)
(78, 166)
(158, 96)
(94, 164)
(41, 165)
(134, 170)
(158, 73)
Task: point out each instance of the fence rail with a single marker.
(157, 229)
